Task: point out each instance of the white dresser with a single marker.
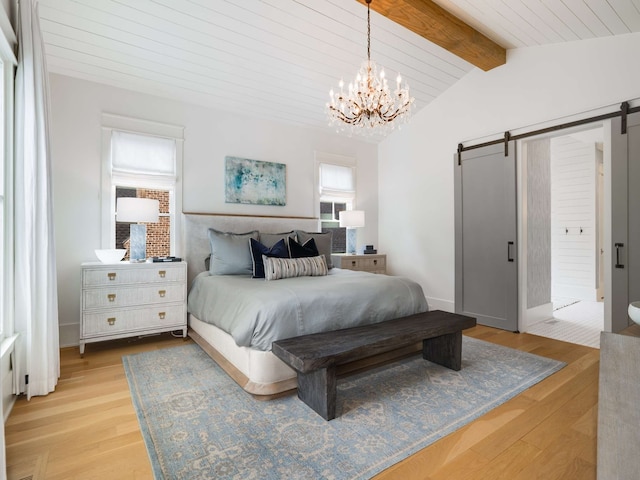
(129, 299)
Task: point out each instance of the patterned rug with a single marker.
(197, 423)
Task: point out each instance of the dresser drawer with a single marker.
(376, 263)
(99, 277)
(131, 320)
(123, 297)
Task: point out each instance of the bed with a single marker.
(235, 317)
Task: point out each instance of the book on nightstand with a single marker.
(165, 259)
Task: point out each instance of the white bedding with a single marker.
(256, 312)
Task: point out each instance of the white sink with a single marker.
(634, 312)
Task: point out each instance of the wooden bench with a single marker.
(315, 357)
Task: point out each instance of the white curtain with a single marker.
(36, 308)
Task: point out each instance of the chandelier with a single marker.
(369, 106)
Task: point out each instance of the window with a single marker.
(143, 164)
(337, 193)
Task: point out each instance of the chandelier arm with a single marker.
(341, 116)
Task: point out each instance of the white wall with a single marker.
(573, 218)
(209, 136)
(536, 85)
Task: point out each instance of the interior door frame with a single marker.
(611, 198)
(529, 317)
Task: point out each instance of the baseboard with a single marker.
(441, 304)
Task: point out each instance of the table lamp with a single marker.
(133, 209)
(351, 219)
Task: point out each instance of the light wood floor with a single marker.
(87, 428)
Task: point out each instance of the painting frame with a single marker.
(255, 182)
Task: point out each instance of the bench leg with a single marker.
(318, 390)
(444, 350)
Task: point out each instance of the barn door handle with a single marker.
(509, 257)
(618, 247)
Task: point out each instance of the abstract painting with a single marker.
(255, 182)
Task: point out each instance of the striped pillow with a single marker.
(277, 268)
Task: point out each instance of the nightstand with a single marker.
(130, 299)
(374, 263)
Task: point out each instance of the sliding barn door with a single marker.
(486, 227)
(625, 219)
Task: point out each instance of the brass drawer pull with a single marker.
(162, 315)
(111, 297)
(111, 320)
(111, 275)
(375, 262)
(162, 273)
(162, 293)
(353, 263)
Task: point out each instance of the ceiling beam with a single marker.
(444, 29)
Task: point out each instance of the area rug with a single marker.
(197, 423)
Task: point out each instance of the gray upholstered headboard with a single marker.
(196, 241)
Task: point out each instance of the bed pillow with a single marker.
(230, 253)
(277, 268)
(258, 249)
(323, 243)
(270, 239)
(309, 249)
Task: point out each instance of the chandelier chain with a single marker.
(369, 30)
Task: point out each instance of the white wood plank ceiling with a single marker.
(277, 59)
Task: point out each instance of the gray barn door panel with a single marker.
(625, 219)
(486, 229)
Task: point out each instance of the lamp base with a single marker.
(138, 243)
(352, 236)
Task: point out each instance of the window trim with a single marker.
(111, 122)
(332, 159)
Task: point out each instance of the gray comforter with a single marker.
(257, 312)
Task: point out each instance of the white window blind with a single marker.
(142, 155)
(337, 181)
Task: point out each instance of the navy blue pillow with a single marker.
(309, 249)
(279, 250)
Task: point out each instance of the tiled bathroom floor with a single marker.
(574, 321)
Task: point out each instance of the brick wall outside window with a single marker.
(158, 234)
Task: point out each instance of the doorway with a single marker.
(562, 236)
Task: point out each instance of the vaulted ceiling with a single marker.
(278, 59)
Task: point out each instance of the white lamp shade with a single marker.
(132, 209)
(352, 218)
